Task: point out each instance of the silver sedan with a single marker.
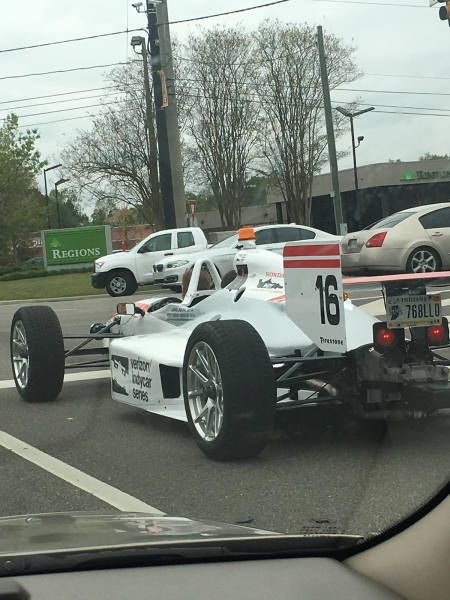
(416, 240)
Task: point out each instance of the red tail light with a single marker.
(437, 335)
(385, 339)
(377, 240)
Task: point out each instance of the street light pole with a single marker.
(355, 168)
(58, 211)
(46, 190)
(351, 116)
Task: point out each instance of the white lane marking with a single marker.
(377, 307)
(7, 384)
(83, 481)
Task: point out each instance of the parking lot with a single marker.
(322, 471)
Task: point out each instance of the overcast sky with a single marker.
(394, 44)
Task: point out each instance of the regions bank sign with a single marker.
(77, 246)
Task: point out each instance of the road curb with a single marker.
(68, 298)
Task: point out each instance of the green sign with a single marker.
(80, 245)
(409, 175)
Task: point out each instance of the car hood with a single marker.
(115, 257)
(71, 531)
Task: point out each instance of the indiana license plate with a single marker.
(413, 311)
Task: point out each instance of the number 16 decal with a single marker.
(328, 300)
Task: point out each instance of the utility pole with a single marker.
(152, 149)
(341, 227)
(170, 170)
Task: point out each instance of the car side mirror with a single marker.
(143, 250)
(129, 309)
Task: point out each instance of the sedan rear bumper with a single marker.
(373, 259)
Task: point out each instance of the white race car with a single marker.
(281, 336)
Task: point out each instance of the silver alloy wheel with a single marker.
(20, 355)
(423, 261)
(204, 391)
(118, 285)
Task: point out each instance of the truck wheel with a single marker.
(229, 389)
(121, 283)
(37, 353)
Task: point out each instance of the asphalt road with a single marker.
(324, 472)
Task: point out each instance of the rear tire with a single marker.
(238, 390)
(121, 283)
(37, 353)
(423, 260)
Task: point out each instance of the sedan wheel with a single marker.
(423, 260)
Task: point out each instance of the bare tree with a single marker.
(288, 85)
(117, 158)
(221, 119)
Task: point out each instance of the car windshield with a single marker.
(295, 382)
(228, 242)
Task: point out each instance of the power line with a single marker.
(49, 112)
(13, 108)
(77, 39)
(62, 71)
(398, 112)
(370, 3)
(56, 95)
(222, 14)
(58, 121)
(392, 92)
(405, 76)
(401, 106)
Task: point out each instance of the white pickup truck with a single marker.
(122, 272)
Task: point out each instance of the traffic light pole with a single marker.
(170, 169)
(340, 225)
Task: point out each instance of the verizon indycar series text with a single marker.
(281, 336)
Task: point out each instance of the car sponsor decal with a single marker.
(140, 379)
(120, 378)
(269, 284)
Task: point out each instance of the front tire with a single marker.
(229, 389)
(37, 353)
(121, 283)
(423, 260)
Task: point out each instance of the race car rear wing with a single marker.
(410, 281)
(315, 299)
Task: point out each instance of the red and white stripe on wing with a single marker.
(312, 256)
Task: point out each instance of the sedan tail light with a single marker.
(376, 241)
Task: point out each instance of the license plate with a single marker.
(413, 311)
(352, 243)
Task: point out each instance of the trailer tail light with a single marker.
(437, 335)
(385, 339)
(377, 240)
